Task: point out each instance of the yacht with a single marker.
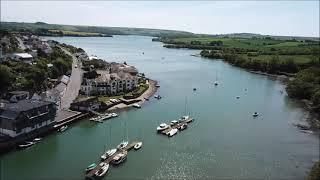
(91, 167)
(172, 132)
(137, 146)
(108, 153)
(136, 105)
(119, 158)
(122, 145)
(27, 144)
(103, 170)
(162, 127)
(174, 122)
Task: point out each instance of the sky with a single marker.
(291, 18)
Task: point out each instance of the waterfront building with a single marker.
(26, 116)
(107, 83)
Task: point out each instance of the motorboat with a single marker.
(114, 114)
(137, 146)
(216, 83)
(136, 105)
(157, 96)
(174, 122)
(162, 127)
(172, 132)
(237, 97)
(36, 140)
(91, 167)
(63, 128)
(119, 158)
(103, 170)
(122, 145)
(157, 85)
(108, 153)
(27, 144)
(255, 114)
(194, 89)
(183, 126)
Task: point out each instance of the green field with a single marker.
(76, 33)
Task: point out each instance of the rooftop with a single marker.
(23, 55)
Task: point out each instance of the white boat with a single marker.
(183, 126)
(136, 105)
(103, 170)
(137, 146)
(63, 128)
(108, 154)
(157, 96)
(114, 114)
(172, 132)
(91, 167)
(123, 144)
(185, 118)
(162, 127)
(27, 144)
(255, 114)
(106, 116)
(36, 139)
(173, 122)
(119, 158)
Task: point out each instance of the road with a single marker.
(73, 86)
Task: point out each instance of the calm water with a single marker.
(224, 141)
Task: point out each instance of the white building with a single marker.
(25, 57)
(109, 83)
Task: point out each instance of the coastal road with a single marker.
(73, 86)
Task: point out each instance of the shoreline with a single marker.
(152, 89)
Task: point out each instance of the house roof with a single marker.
(12, 110)
(23, 55)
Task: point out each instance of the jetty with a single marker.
(91, 174)
(178, 125)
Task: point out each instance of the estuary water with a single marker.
(224, 142)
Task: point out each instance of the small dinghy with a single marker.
(27, 144)
(90, 167)
(122, 145)
(157, 96)
(36, 140)
(194, 89)
(63, 128)
(108, 154)
(103, 170)
(136, 105)
(237, 97)
(146, 99)
(137, 146)
(183, 127)
(255, 114)
(216, 83)
(114, 114)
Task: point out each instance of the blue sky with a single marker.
(294, 18)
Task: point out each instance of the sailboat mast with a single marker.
(185, 107)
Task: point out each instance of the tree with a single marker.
(6, 77)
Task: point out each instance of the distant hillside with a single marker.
(41, 27)
(252, 35)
